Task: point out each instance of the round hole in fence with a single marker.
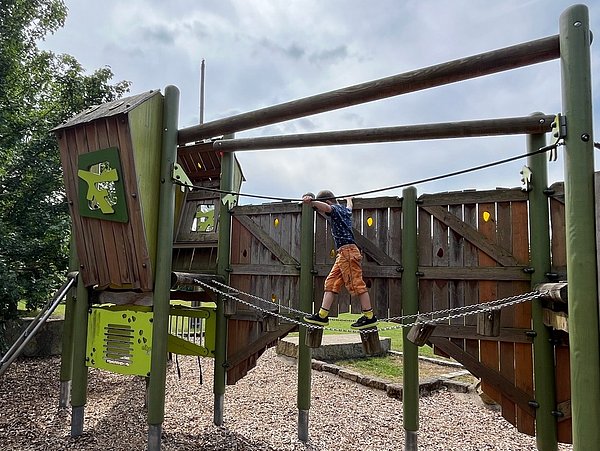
(245, 253)
(440, 252)
(370, 221)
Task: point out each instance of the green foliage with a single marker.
(38, 91)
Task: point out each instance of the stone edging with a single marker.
(394, 390)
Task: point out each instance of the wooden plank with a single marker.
(523, 352)
(558, 242)
(472, 197)
(495, 273)
(471, 260)
(69, 156)
(507, 334)
(488, 291)
(494, 379)
(483, 243)
(263, 237)
(424, 244)
(141, 264)
(507, 349)
(394, 250)
(456, 288)
(563, 390)
(440, 259)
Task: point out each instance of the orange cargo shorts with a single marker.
(347, 271)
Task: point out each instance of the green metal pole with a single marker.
(66, 355)
(307, 248)
(223, 255)
(410, 306)
(80, 371)
(543, 352)
(162, 276)
(580, 227)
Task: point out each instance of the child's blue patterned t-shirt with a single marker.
(341, 225)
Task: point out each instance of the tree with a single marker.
(38, 91)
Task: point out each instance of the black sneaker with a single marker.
(364, 323)
(316, 319)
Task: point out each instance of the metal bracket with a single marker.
(559, 132)
(180, 177)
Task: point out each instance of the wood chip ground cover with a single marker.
(260, 413)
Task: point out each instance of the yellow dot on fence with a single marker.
(486, 216)
(276, 222)
(370, 221)
(273, 298)
(332, 253)
(199, 166)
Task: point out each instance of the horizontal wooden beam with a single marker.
(465, 129)
(510, 273)
(495, 61)
(473, 197)
(507, 334)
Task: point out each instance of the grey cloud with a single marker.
(330, 55)
(159, 34)
(294, 51)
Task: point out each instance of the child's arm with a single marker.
(321, 206)
(349, 203)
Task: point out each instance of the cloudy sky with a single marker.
(263, 52)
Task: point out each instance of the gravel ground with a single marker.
(260, 413)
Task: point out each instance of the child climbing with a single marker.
(347, 269)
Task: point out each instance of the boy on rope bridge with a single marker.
(347, 269)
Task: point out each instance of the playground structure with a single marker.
(426, 254)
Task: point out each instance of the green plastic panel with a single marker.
(120, 339)
(101, 187)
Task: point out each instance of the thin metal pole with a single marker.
(410, 306)
(162, 277)
(463, 129)
(202, 76)
(520, 55)
(543, 351)
(306, 299)
(580, 227)
(223, 256)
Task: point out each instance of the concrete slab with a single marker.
(333, 347)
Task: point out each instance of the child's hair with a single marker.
(326, 195)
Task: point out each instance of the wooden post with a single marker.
(223, 256)
(488, 323)
(66, 357)
(410, 306)
(230, 305)
(370, 341)
(307, 246)
(162, 276)
(80, 371)
(271, 323)
(314, 337)
(580, 226)
(419, 333)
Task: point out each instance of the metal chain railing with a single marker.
(420, 318)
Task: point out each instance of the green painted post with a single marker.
(80, 371)
(307, 248)
(410, 306)
(162, 276)
(543, 352)
(223, 255)
(66, 355)
(580, 227)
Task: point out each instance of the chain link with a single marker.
(420, 318)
